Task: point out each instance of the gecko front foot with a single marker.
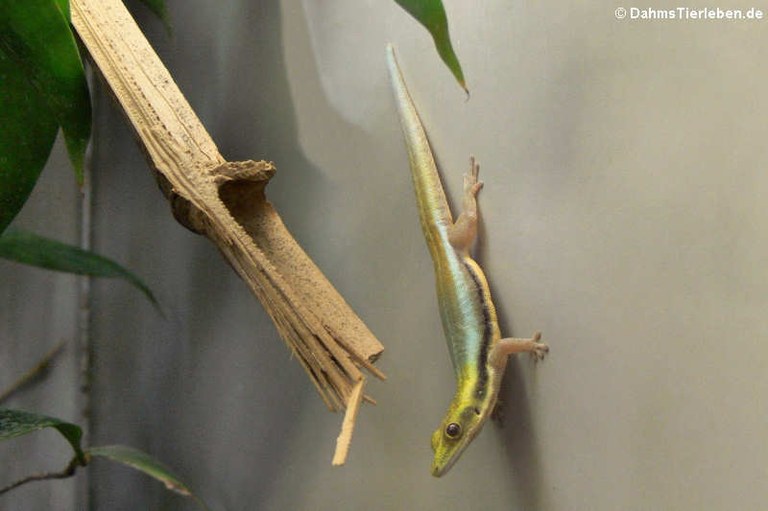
(511, 346)
(539, 350)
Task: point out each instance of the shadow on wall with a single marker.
(519, 439)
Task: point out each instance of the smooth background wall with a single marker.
(624, 214)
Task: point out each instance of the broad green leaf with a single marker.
(15, 423)
(28, 248)
(431, 14)
(63, 6)
(143, 462)
(36, 35)
(27, 133)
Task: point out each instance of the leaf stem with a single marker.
(69, 471)
(34, 372)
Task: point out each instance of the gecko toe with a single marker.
(539, 351)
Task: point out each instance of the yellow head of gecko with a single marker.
(461, 424)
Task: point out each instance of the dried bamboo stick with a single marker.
(348, 425)
(225, 202)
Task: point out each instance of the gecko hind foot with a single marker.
(471, 184)
(463, 232)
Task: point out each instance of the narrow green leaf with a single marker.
(15, 423)
(27, 133)
(158, 7)
(145, 463)
(431, 14)
(36, 34)
(28, 248)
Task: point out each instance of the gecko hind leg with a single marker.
(463, 232)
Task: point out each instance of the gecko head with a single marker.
(457, 430)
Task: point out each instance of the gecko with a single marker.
(478, 352)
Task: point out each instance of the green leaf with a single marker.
(431, 14)
(28, 248)
(63, 6)
(15, 423)
(158, 7)
(26, 137)
(143, 462)
(36, 35)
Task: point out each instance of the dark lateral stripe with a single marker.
(482, 362)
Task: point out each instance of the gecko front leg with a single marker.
(510, 346)
(463, 232)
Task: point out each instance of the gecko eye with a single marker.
(453, 430)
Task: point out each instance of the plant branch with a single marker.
(69, 471)
(225, 201)
(36, 371)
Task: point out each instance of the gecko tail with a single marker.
(433, 207)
